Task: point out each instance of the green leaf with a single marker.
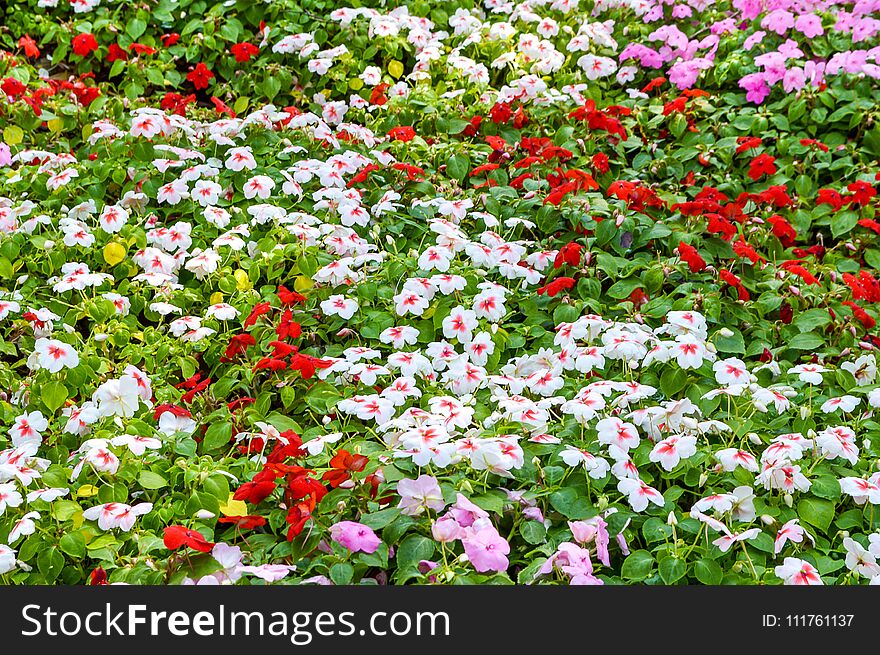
(414, 549)
(135, 28)
(816, 512)
(151, 480)
(73, 544)
(708, 571)
(637, 566)
(672, 569)
(217, 436)
(457, 167)
(623, 288)
(54, 395)
(341, 573)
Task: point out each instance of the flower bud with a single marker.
(766, 519)
(788, 500)
(671, 520)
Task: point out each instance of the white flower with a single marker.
(339, 305)
(117, 397)
(53, 355)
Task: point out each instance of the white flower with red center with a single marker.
(460, 324)
(241, 158)
(409, 302)
(726, 541)
(400, 336)
(597, 467)
(861, 560)
(862, 490)
(489, 305)
(613, 431)
(796, 571)
(670, 451)
(730, 458)
(339, 305)
(206, 193)
(112, 218)
(731, 371)
(9, 497)
(838, 442)
(721, 503)
(259, 186)
(173, 192)
(689, 352)
(435, 258)
(791, 531)
(53, 355)
(24, 527)
(840, 404)
(809, 373)
(639, 494)
(61, 179)
(137, 444)
(28, 428)
(116, 515)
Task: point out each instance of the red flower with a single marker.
(177, 535)
(288, 297)
(829, 197)
(142, 49)
(743, 249)
(600, 162)
(747, 143)
(691, 257)
(114, 53)
(782, 230)
(786, 313)
(221, 107)
(306, 364)
(98, 577)
(296, 519)
(255, 491)
(762, 165)
(238, 344)
(84, 44)
(29, 46)
(569, 254)
(377, 96)
(862, 192)
(259, 309)
(244, 522)
(343, 465)
(244, 51)
(200, 76)
(556, 286)
(288, 328)
(176, 102)
(735, 282)
(169, 40)
(861, 315)
(402, 133)
(500, 113)
(13, 87)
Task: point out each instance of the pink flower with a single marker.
(810, 25)
(487, 550)
(754, 40)
(5, 155)
(355, 536)
(755, 86)
(465, 512)
(593, 529)
(779, 21)
(420, 494)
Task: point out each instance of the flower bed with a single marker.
(548, 292)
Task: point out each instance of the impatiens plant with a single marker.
(549, 292)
